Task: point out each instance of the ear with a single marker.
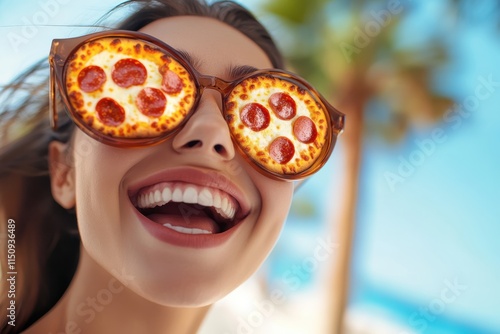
(62, 179)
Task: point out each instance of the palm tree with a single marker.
(354, 60)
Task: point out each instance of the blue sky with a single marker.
(443, 221)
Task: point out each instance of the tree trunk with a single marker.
(344, 226)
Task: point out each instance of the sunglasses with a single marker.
(129, 89)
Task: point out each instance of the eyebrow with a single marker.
(233, 71)
(238, 71)
(193, 61)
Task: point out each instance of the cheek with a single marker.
(276, 197)
(276, 201)
(98, 173)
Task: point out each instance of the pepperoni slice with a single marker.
(255, 116)
(305, 130)
(283, 105)
(129, 72)
(110, 112)
(151, 102)
(91, 78)
(281, 150)
(171, 83)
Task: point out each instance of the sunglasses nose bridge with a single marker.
(215, 83)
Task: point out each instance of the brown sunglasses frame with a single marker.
(62, 50)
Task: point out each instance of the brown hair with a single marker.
(46, 235)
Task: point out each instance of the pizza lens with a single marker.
(129, 89)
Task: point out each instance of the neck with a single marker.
(96, 302)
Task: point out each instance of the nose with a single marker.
(206, 132)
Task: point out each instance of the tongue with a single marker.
(189, 222)
(183, 218)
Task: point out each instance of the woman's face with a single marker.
(187, 253)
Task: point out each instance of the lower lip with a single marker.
(175, 238)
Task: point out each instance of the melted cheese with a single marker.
(256, 144)
(107, 52)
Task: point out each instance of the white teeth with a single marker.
(162, 193)
(166, 194)
(220, 212)
(205, 197)
(190, 195)
(224, 205)
(157, 196)
(177, 195)
(187, 230)
(227, 214)
(225, 210)
(217, 200)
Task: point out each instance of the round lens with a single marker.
(127, 88)
(279, 124)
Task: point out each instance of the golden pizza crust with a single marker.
(105, 53)
(256, 144)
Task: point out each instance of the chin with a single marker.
(185, 293)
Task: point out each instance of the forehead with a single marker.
(216, 44)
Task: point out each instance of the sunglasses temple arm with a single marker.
(337, 118)
(52, 98)
(340, 122)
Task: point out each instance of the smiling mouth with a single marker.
(188, 208)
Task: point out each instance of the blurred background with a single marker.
(399, 232)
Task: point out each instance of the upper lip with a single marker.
(190, 175)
